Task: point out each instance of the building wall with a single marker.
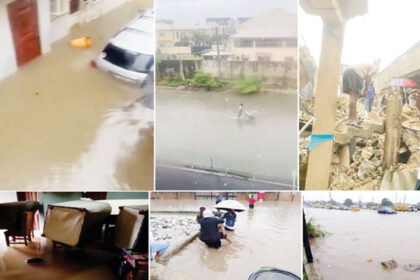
(109, 5)
(277, 54)
(165, 38)
(401, 68)
(177, 51)
(44, 21)
(8, 63)
(59, 27)
(274, 72)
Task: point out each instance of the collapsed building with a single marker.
(358, 160)
(384, 152)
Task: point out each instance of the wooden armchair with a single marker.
(24, 230)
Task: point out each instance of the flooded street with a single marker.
(201, 129)
(67, 125)
(356, 237)
(267, 236)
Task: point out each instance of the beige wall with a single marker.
(273, 72)
(402, 68)
(178, 51)
(277, 54)
(164, 38)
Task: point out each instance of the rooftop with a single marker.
(276, 23)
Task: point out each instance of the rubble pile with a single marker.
(365, 172)
(171, 228)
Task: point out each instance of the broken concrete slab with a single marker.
(404, 180)
(368, 127)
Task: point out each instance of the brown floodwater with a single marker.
(267, 236)
(67, 125)
(56, 265)
(202, 130)
(356, 237)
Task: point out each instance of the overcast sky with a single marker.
(387, 31)
(196, 11)
(365, 196)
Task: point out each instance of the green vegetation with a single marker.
(249, 85)
(205, 80)
(348, 202)
(386, 203)
(173, 81)
(200, 80)
(305, 275)
(314, 230)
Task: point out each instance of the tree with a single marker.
(348, 202)
(386, 202)
(201, 39)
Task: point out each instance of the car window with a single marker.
(118, 56)
(143, 63)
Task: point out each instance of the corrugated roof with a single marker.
(276, 23)
(178, 26)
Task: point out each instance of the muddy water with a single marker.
(65, 124)
(55, 265)
(202, 129)
(358, 236)
(267, 236)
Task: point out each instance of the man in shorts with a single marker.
(355, 79)
(212, 230)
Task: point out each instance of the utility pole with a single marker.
(219, 66)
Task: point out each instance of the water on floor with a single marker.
(269, 236)
(359, 241)
(202, 129)
(55, 265)
(65, 124)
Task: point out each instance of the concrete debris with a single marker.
(171, 228)
(389, 264)
(362, 167)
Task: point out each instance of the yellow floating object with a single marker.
(369, 260)
(84, 42)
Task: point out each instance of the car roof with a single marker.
(138, 36)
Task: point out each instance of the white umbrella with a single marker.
(230, 204)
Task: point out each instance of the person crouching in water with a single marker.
(230, 219)
(200, 215)
(355, 79)
(212, 230)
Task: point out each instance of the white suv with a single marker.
(129, 55)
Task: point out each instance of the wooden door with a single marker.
(23, 18)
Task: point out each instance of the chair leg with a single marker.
(30, 237)
(7, 239)
(26, 242)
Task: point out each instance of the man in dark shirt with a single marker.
(212, 230)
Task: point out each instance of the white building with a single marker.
(271, 36)
(29, 27)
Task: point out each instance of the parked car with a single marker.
(386, 210)
(129, 55)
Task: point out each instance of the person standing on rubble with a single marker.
(356, 80)
(370, 97)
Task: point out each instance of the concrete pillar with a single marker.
(319, 164)
(392, 132)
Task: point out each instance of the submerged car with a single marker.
(129, 55)
(386, 210)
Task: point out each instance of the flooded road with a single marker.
(358, 236)
(267, 236)
(67, 125)
(201, 129)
